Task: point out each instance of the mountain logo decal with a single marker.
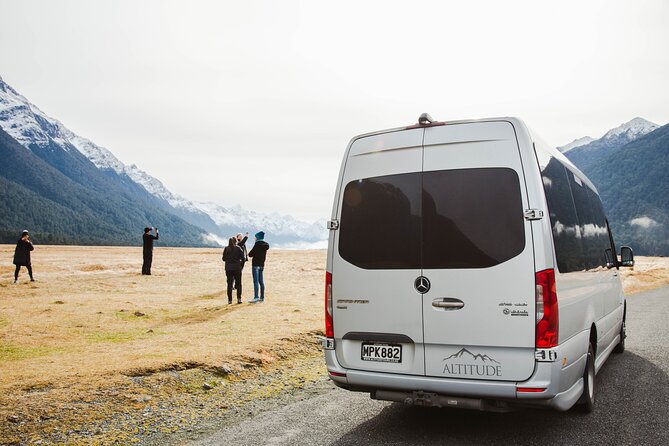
(464, 363)
(464, 351)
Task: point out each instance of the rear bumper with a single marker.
(561, 379)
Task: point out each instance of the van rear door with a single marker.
(479, 313)
(376, 255)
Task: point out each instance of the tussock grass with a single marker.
(93, 342)
(647, 273)
(14, 352)
(93, 267)
(8, 268)
(217, 295)
(115, 336)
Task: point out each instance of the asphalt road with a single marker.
(632, 407)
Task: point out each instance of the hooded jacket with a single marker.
(259, 252)
(233, 258)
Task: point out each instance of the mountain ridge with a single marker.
(34, 129)
(81, 160)
(75, 209)
(286, 230)
(583, 156)
(578, 142)
(633, 183)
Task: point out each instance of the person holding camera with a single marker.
(22, 256)
(148, 239)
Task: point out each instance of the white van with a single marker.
(469, 265)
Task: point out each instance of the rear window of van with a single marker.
(462, 218)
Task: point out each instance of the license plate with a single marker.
(381, 352)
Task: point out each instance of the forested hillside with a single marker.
(69, 201)
(633, 181)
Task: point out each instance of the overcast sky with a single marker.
(253, 103)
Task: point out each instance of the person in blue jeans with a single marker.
(258, 254)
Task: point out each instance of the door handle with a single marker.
(448, 303)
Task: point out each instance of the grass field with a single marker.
(91, 321)
(93, 335)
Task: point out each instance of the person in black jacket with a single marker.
(258, 254)
(22, 256)
(148, 239)
(233, 256)
(241, 242)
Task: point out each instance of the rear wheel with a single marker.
(623, 334)
(587, 401)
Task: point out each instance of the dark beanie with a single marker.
(260, 235)
(147, 229)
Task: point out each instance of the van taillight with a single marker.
(547, 309)
(329, 327)
(530, 389)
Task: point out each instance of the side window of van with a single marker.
(564, 222)
(592, 223)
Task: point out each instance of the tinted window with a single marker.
(592, 223)
(472, 218)
(564, 222)
(380, 222)
(469, 218)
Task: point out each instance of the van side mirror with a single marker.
(626, 256)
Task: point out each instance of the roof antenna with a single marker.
(425, 119)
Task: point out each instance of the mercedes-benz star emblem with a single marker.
(422, 284)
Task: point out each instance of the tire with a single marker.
(623, 334)
(587, 401)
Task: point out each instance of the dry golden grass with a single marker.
(91, 314)
(647, 273)
(91, 319)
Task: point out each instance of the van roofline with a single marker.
(515, 121)
(434, 124)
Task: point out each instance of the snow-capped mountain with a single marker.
(633, 183)
(28, 125)
(629, 131)
(576, 143)
(624, 133)
(283, 230)
(54, 143)
(585, 155)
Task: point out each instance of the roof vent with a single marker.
(425, 119)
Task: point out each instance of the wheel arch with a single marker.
(593, 338)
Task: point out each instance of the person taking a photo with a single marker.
(22, 256)
(148, 239)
